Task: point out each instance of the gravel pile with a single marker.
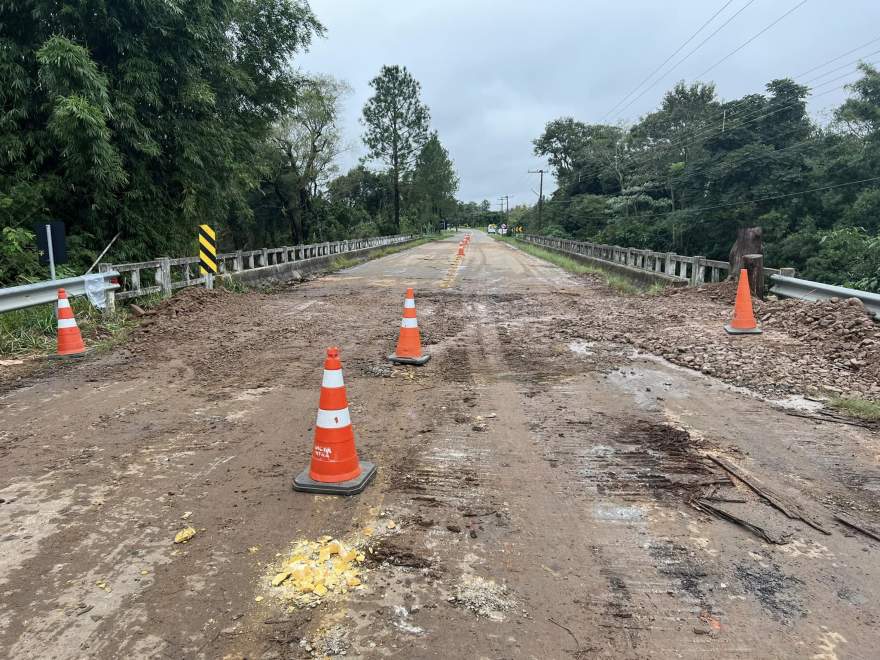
(843, 330)
(807, 348)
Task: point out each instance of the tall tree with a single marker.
(434, 183)
(303, 151)
(396, 123)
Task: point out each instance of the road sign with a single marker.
(207, 250)
(59, 244)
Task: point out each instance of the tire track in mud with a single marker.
(629, 477)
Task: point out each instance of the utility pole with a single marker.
(540, 195)
(505, 200)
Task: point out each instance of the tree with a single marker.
(396, 123)
(302, 151)
(144, 118)
(434, 183)
(690, 175)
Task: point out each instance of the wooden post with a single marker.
(754, 265)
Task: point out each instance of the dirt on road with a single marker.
(546, 488)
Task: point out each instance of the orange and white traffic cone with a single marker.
(70, 341)
(409, 343)
(461, 249)
(743, 322)
(335, 468)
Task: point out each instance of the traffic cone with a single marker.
(461, 249)
(409, 343)
(70, 341)
(743, 322)
(334, 468)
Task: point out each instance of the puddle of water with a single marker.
(581, 347)
(797, 402)
(614, 512)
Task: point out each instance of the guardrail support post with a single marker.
(109, 294)
(699, 273)
(164, 272)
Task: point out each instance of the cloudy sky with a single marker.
(494, 73)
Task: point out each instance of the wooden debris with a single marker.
(834, 419)
(859, 527)
(704, 506)
(789, 508)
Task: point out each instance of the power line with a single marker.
(662, 64)
(685, 58)
(751, 39)
(743, 203)
(756, 115)
(842, 66)
(839, 57)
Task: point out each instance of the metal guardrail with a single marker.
(40, 293)
(792, 287)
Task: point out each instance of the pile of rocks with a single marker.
(843, 330)
(807, 348)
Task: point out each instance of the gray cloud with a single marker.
(493, 73)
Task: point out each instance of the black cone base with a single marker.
(405, 360)
(306, 484)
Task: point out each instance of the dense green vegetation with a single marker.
(686, 176)
(146, 119)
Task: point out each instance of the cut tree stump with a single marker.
(749, 240)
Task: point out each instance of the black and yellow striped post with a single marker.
(207, 254)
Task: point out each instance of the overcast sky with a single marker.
(494, 73)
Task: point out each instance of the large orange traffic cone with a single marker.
(70, 341)
(461, 249)
(335, 468)
(743, 322)
(409, 343)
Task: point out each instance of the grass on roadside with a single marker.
(619, 283)
(861, 408)
(32, 331)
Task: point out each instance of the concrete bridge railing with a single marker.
(693, 271)
(166, 275)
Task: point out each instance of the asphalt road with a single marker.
(538, 496)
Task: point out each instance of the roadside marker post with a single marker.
(207, 254)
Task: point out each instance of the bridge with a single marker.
(576, 473)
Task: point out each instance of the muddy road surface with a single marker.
(539, 495)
